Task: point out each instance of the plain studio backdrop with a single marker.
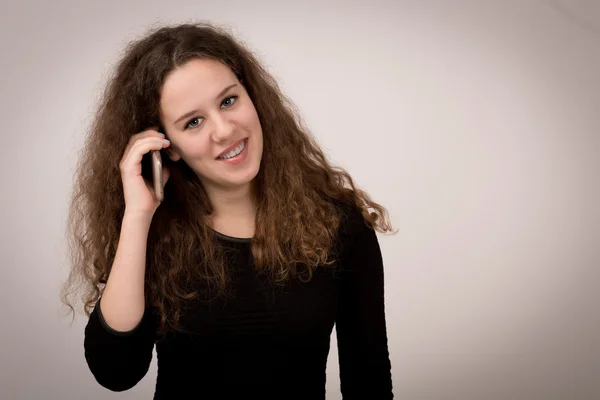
(475, 123)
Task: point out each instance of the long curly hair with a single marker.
(297, 191)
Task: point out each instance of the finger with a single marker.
(136, 146)
(151, 132)
(142, 147)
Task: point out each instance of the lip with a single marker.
(233, 146)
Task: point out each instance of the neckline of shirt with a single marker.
(231, 238)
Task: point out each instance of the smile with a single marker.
(236, 155)
(236, 151)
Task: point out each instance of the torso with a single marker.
(262, 336)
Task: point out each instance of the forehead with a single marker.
(192, 85)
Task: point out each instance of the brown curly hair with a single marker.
(297, 191)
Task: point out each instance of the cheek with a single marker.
(251, 117)
(194, 151)
(256, 128)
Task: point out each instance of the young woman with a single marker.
(258, 249)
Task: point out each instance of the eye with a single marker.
(232, 100)
(190, 125)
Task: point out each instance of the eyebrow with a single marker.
(190, 113)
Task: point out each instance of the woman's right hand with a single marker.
(139, 193)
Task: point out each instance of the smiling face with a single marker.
(212, 124)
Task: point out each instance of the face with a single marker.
(212, 124)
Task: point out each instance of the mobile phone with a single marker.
(157, 175)
(152, 166)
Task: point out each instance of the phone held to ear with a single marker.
(152, 167)
(157, 175)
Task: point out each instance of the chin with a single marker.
(237, 182)
(236, 179)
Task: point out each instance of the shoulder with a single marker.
(352, 226)
(352, 219)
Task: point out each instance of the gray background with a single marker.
(475, 123)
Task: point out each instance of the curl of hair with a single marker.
(297, 191)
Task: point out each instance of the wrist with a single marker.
(138, 216)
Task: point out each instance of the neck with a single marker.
(232, 203)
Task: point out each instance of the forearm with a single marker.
(123, 303)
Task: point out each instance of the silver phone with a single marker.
(157, 175)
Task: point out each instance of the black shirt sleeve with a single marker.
(118, 360)
(365, 368)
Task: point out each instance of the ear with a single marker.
(173, 155)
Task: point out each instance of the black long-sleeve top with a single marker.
(265, 342)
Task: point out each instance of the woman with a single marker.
(259, 247)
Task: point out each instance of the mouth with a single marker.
(236, 152)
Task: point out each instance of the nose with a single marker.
(223, 128)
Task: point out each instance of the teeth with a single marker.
(234, 152)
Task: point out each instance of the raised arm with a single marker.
(120, 333)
